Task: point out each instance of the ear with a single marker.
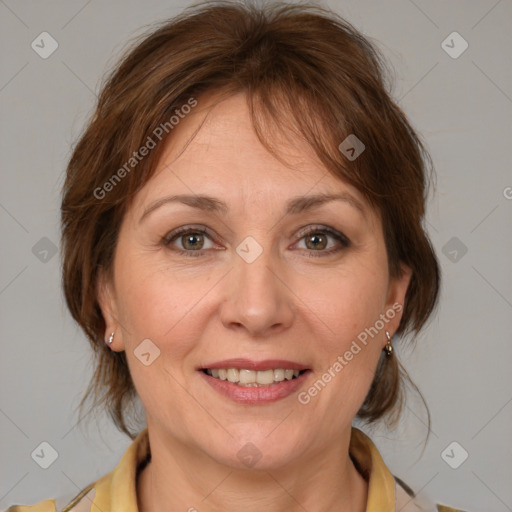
(396, 297)
(106, 296)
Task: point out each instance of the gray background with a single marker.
(462, 107)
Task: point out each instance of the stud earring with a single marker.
(110, 339)
(388, 348)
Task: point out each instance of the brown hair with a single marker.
(303, 68)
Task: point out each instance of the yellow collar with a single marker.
(381, 483)
(117, 490)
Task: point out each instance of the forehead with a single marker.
(221, 131)
(215, 150)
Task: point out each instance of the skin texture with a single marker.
(287, 304)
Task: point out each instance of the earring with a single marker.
(388, 348)
(110, 339)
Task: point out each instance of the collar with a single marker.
(117, 490)
(381, 483)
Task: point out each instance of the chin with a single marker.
(257, 452)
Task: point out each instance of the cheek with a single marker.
(157, 305)
(170, 308)
(346, 309)
(345, 303)
(155, 300)
(165, 309)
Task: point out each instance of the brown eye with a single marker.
(194, 241)
(316, 241)
(189, 240)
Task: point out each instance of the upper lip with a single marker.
(267, 364)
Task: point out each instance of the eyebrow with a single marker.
(294, 206)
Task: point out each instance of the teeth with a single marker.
(252, 378)
(279, 375)
(233, 375)
(265, 377)
(247, 377)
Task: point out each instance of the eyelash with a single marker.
(340, 237)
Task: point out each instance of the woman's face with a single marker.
(274, 276)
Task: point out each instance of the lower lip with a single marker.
(256, 395)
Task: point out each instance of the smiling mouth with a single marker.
(251, 378)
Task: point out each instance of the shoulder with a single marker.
(407, 501)
(42, 506)
(80, 502)
(113, 491)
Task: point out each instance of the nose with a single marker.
(258, 298)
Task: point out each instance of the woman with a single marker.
(242, 245)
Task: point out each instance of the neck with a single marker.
(176, 478)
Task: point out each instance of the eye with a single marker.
(190, 239)
(317, 239)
